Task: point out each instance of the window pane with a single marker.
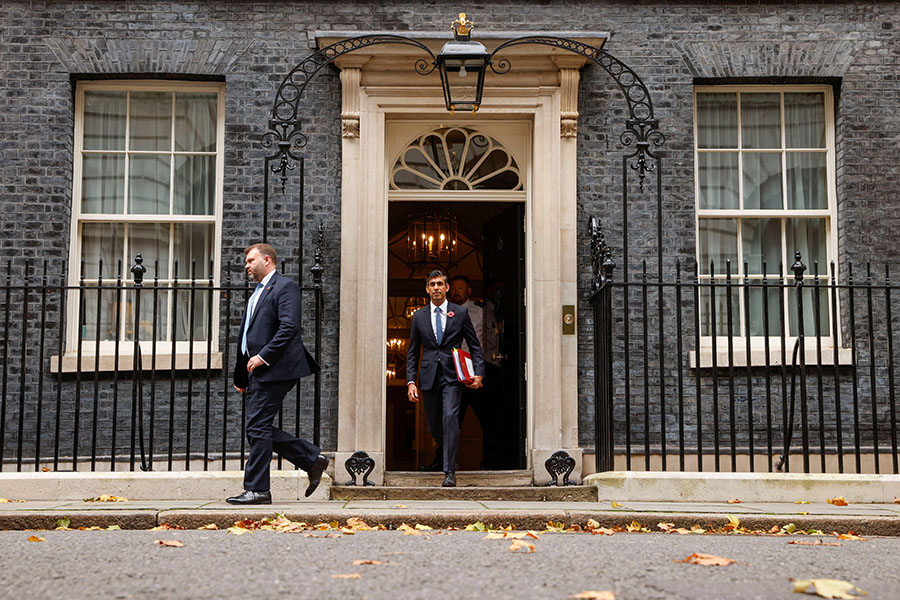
(148, 187)
(718, 174)
(762, 180)
(718, 243)
(108, 317)
(192, 303)
(808, 236)
(756, 311)
(194, 242)
(195, 185)
(720, 327)
(806, 180)
(101, 241)
(151, 120)
(146, 317)
(104, 120)
(761, 120)
(761, 241)
(804, 115)
(420, 173)
(716, 120)
(809, 314)
(152, 241)
(195, 122)
(103, 183)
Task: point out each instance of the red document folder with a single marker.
(465, 372)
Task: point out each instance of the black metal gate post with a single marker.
(602, 267)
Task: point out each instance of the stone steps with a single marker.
(575, 493)
(521, 478)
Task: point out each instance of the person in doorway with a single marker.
(436, 329)
(272, 358)
(460, 292)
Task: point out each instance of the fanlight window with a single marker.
(455, 158)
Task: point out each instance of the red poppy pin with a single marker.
(449, 314)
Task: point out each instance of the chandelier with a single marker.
(431, 239)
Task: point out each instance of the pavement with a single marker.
(872, 519)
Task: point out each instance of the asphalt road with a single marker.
(265, 564)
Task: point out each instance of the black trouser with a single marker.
(442, 414)
(263, 403)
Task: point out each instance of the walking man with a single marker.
(271, 360)
(436, 329)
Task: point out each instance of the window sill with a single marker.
(107, 362)
(758, 357)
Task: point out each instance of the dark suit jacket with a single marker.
(437, 361)
(274, 334)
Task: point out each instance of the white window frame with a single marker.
(164, 349)
(829, 214)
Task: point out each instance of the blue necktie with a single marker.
(251, 306)
(438, 326)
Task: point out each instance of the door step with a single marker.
(492, 479)
(574, 493)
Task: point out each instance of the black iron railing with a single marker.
(744, 372)
(127, 373)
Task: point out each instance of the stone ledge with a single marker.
(747, 487)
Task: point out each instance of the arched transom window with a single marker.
(455, 158)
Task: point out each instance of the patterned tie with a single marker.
(251, 305)
(438, 326)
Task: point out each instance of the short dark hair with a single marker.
(434, 274)
(264, 249)
(463, 278)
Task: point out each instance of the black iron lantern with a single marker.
(462, 64)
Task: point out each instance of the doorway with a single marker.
(483, 249)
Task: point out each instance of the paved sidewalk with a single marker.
(866, 519)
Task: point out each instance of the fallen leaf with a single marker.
(802, 513)
(346, 576)
(326, 535)
(592, 595)
(707, 560)
(400, 506)
(113, 528)
(517, 545)
(735, 501)
(602, 531)
(697, 529)
(827, 588)
(35, 538)
(209, 526)
(238, 530)
(839, 501)
(106, 498)
(63, 524)
(801, 502)
(896, 500)
(45, 469)
(167, 527)
(789, 528)
(592, 524)
(733, 523)
(615, 505)
(169, 543)
(850, 535)
(367, 562)
(493, 535)
(556, 527)
(667, 527)
(423, 527)
(7, 500)
(479, 526)
(815, 543)
(635, 526)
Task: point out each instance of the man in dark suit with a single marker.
(436, 329)
(271, 358)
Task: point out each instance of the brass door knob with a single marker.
(498, 357)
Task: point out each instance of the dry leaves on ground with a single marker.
(346, 576)
(615, 505)
(400, 506)
(827, 588)
(367, 562)
(209, 526)
(106, 498)
(707, 560)
(511, 535)
(35, 538)
(801, 502)
(167, 527)
(896, 500)
(593, 595)
(734, 501)
(839, 501)
(169, 543)
(7, 500)
(526, 547)
(850, 535)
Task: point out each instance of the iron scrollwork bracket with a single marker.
(602, 264)
(358, 463)
(560, 462)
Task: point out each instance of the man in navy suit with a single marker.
(436, 330)
(271, 359)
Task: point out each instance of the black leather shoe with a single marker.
(315, 474)
(449, 479)
(251, 497)
(436, 465)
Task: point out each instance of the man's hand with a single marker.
(254, 362)
(412, 392)
(241, 390)
(476, 383)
